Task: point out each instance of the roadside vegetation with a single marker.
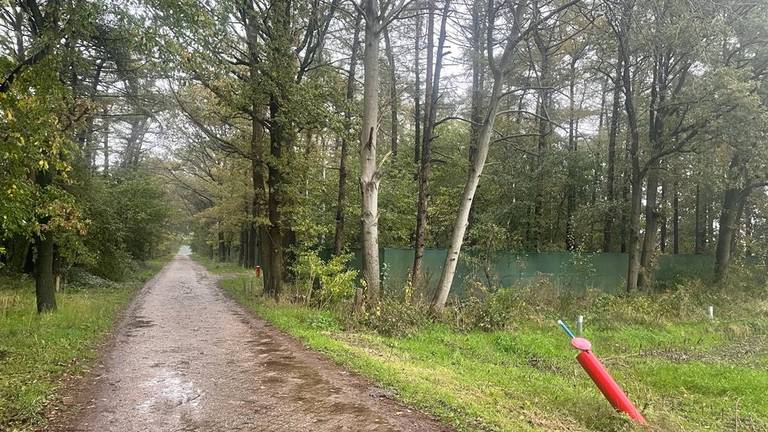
(39, 351)
(500, 363)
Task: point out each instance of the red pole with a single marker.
(608, 386)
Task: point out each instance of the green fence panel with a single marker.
(568, 272)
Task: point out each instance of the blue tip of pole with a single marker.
(566, 329)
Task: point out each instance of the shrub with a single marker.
(392, 317)
(324, 282)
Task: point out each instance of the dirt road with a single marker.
(186, 358)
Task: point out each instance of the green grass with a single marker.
(690, 375)
(37, 349)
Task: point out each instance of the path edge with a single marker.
(72, 391)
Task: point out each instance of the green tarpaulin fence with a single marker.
(568, 272)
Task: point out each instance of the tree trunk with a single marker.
(727, 225)
(135, 141)
(478, 85)
(613, 134)
(370, 175)
(626, 186)
(676, 219)
(426, 143)
(467, 195)
(242, 252)
(544, 130)
(45, 290)
(655, 132)
(476, 168)
(341, 201)
(222, 247)
(478, 80)
(736, 237)
(258, 245)
(663, 219)
(394, 98)
(633, 240)
(651, 228)
(106, 147)
(709, 217)
(570, 194)
(700, 230)
(748, 227)
(274, 274)
(417, 93)
(635, 183)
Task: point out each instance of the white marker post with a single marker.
(580, 325)
(711, 313)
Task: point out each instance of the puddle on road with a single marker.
(168, 390)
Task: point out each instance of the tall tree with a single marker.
(432, 93)
(370, 170)
(520, 26)
(341, 201)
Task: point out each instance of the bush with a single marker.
(127, 218)
(324, 282)
(393, 317)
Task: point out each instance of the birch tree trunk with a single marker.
(499, 71)
(478, 162)
(467, 195)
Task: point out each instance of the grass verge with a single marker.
(688, 375)
(37, 349)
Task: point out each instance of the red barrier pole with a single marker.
(600, 376)
(608, 386)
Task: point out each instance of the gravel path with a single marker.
(186, 358)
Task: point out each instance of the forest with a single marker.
(306, 139)
(628, 127)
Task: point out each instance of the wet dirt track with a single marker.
(186, 358)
